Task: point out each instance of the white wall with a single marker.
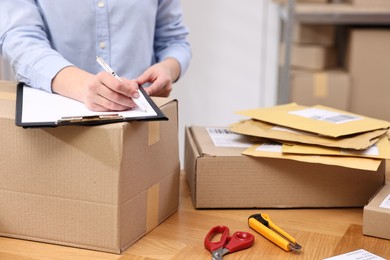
(234, 46)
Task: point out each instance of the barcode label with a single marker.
(338, 119)
(223, 137)
(325, 115)
(217, 131)
(386, 203)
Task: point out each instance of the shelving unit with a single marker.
(342, 14)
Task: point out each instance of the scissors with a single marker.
(227, 244)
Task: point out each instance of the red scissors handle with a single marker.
(215, 245)
(240, 240)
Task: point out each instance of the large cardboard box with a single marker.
(329, 88)
(220, 177)
(95, 187)
(376, 215)
(368, 64)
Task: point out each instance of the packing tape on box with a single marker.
(154, 132)
(320, 85)
(153, 205)
(8, 96)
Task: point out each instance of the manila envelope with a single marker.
(316, 119)
(274, 150)
(261, 129)
(379, 150)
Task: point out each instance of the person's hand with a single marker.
(161, 76)
(101, 92)
(104, 92)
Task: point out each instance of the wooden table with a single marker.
(321, 232)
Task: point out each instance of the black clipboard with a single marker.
(38, 108)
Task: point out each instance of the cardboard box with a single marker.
(370, 3)
(368, 62)
(317, 34)
(313, 57)
(376, 215)
(304, 1)
(220, 177)
(329, 88)
(1, 68)
(100, 187)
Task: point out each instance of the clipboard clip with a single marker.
(89, 119)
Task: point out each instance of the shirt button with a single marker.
(102, 45)
(101, 4)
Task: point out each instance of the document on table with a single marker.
(360, 254)
(38, 108)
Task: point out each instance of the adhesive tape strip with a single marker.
(320, 85)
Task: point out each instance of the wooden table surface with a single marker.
(321, 232)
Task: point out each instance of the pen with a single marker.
(109, 70)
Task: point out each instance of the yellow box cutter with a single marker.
(262, 224)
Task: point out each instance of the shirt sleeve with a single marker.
(24, 44)
(171, 34)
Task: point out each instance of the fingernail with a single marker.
(136, 95)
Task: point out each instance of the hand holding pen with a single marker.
(107, 68)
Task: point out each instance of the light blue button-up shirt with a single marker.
(41, 37)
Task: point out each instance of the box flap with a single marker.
(161, 101)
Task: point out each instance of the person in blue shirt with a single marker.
(52, 45)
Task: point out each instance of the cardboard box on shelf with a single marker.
(368, 61)
(221, 177)
(370, 3)
(318, 34)
(304, 1)
(1, 68)
(313, 1)
(329, 88)
(312, 57)
(376, 215)
(94, 187)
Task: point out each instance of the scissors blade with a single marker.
(218, 254)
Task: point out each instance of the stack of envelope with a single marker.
(316, 134)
